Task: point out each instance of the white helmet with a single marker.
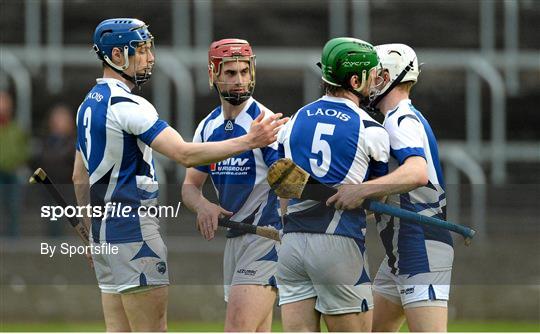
(396, 58)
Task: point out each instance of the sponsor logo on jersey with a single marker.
(161, 267)
(247, 272)
(407, 291)
(231, 166)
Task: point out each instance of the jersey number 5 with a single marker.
(321, 146)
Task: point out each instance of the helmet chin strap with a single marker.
(234, 98)
(237, 99)
(136, 79)
(372, 105)
(356, 92)
(361, 97)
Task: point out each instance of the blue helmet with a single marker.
(120, 33)
(123, 33)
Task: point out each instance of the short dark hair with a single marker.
(335, 90)
(330, 89)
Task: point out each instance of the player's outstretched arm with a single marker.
(207, 213)
(263, 132)
(409, 176)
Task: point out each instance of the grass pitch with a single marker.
(456, 326)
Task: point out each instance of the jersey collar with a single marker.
(396, 108)
(346, 101)
(246, 107)
(113, 81)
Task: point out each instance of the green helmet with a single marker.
(343, 57)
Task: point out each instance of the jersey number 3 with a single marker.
(87, 123)
(321, 146)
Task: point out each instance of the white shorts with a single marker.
(425, 289)
(249, 260)
(139, 265)
(331, 268)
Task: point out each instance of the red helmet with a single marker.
(231, 49)
(227, 48)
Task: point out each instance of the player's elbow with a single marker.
(185, 160)
(421, 177)
(189, 164)
(182, 156)
(417, 170)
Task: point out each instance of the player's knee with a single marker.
(433, 326)
(266, 324)
(239, 324)
(300, 327)
(162, 324)
(113, 329)
(163, 327)
(117, 327)
(350, 322)
(149, 326)
(265, 328)
(385, 327)
(237, 321)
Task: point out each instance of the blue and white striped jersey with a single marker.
(240, 181)
(413, 248)
(336, 142)
(114, 131)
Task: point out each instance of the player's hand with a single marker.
(263, 132)
(348, 197)
(207, 219)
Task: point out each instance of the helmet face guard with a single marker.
(140, 78)
(226, 51)
(126, 34)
